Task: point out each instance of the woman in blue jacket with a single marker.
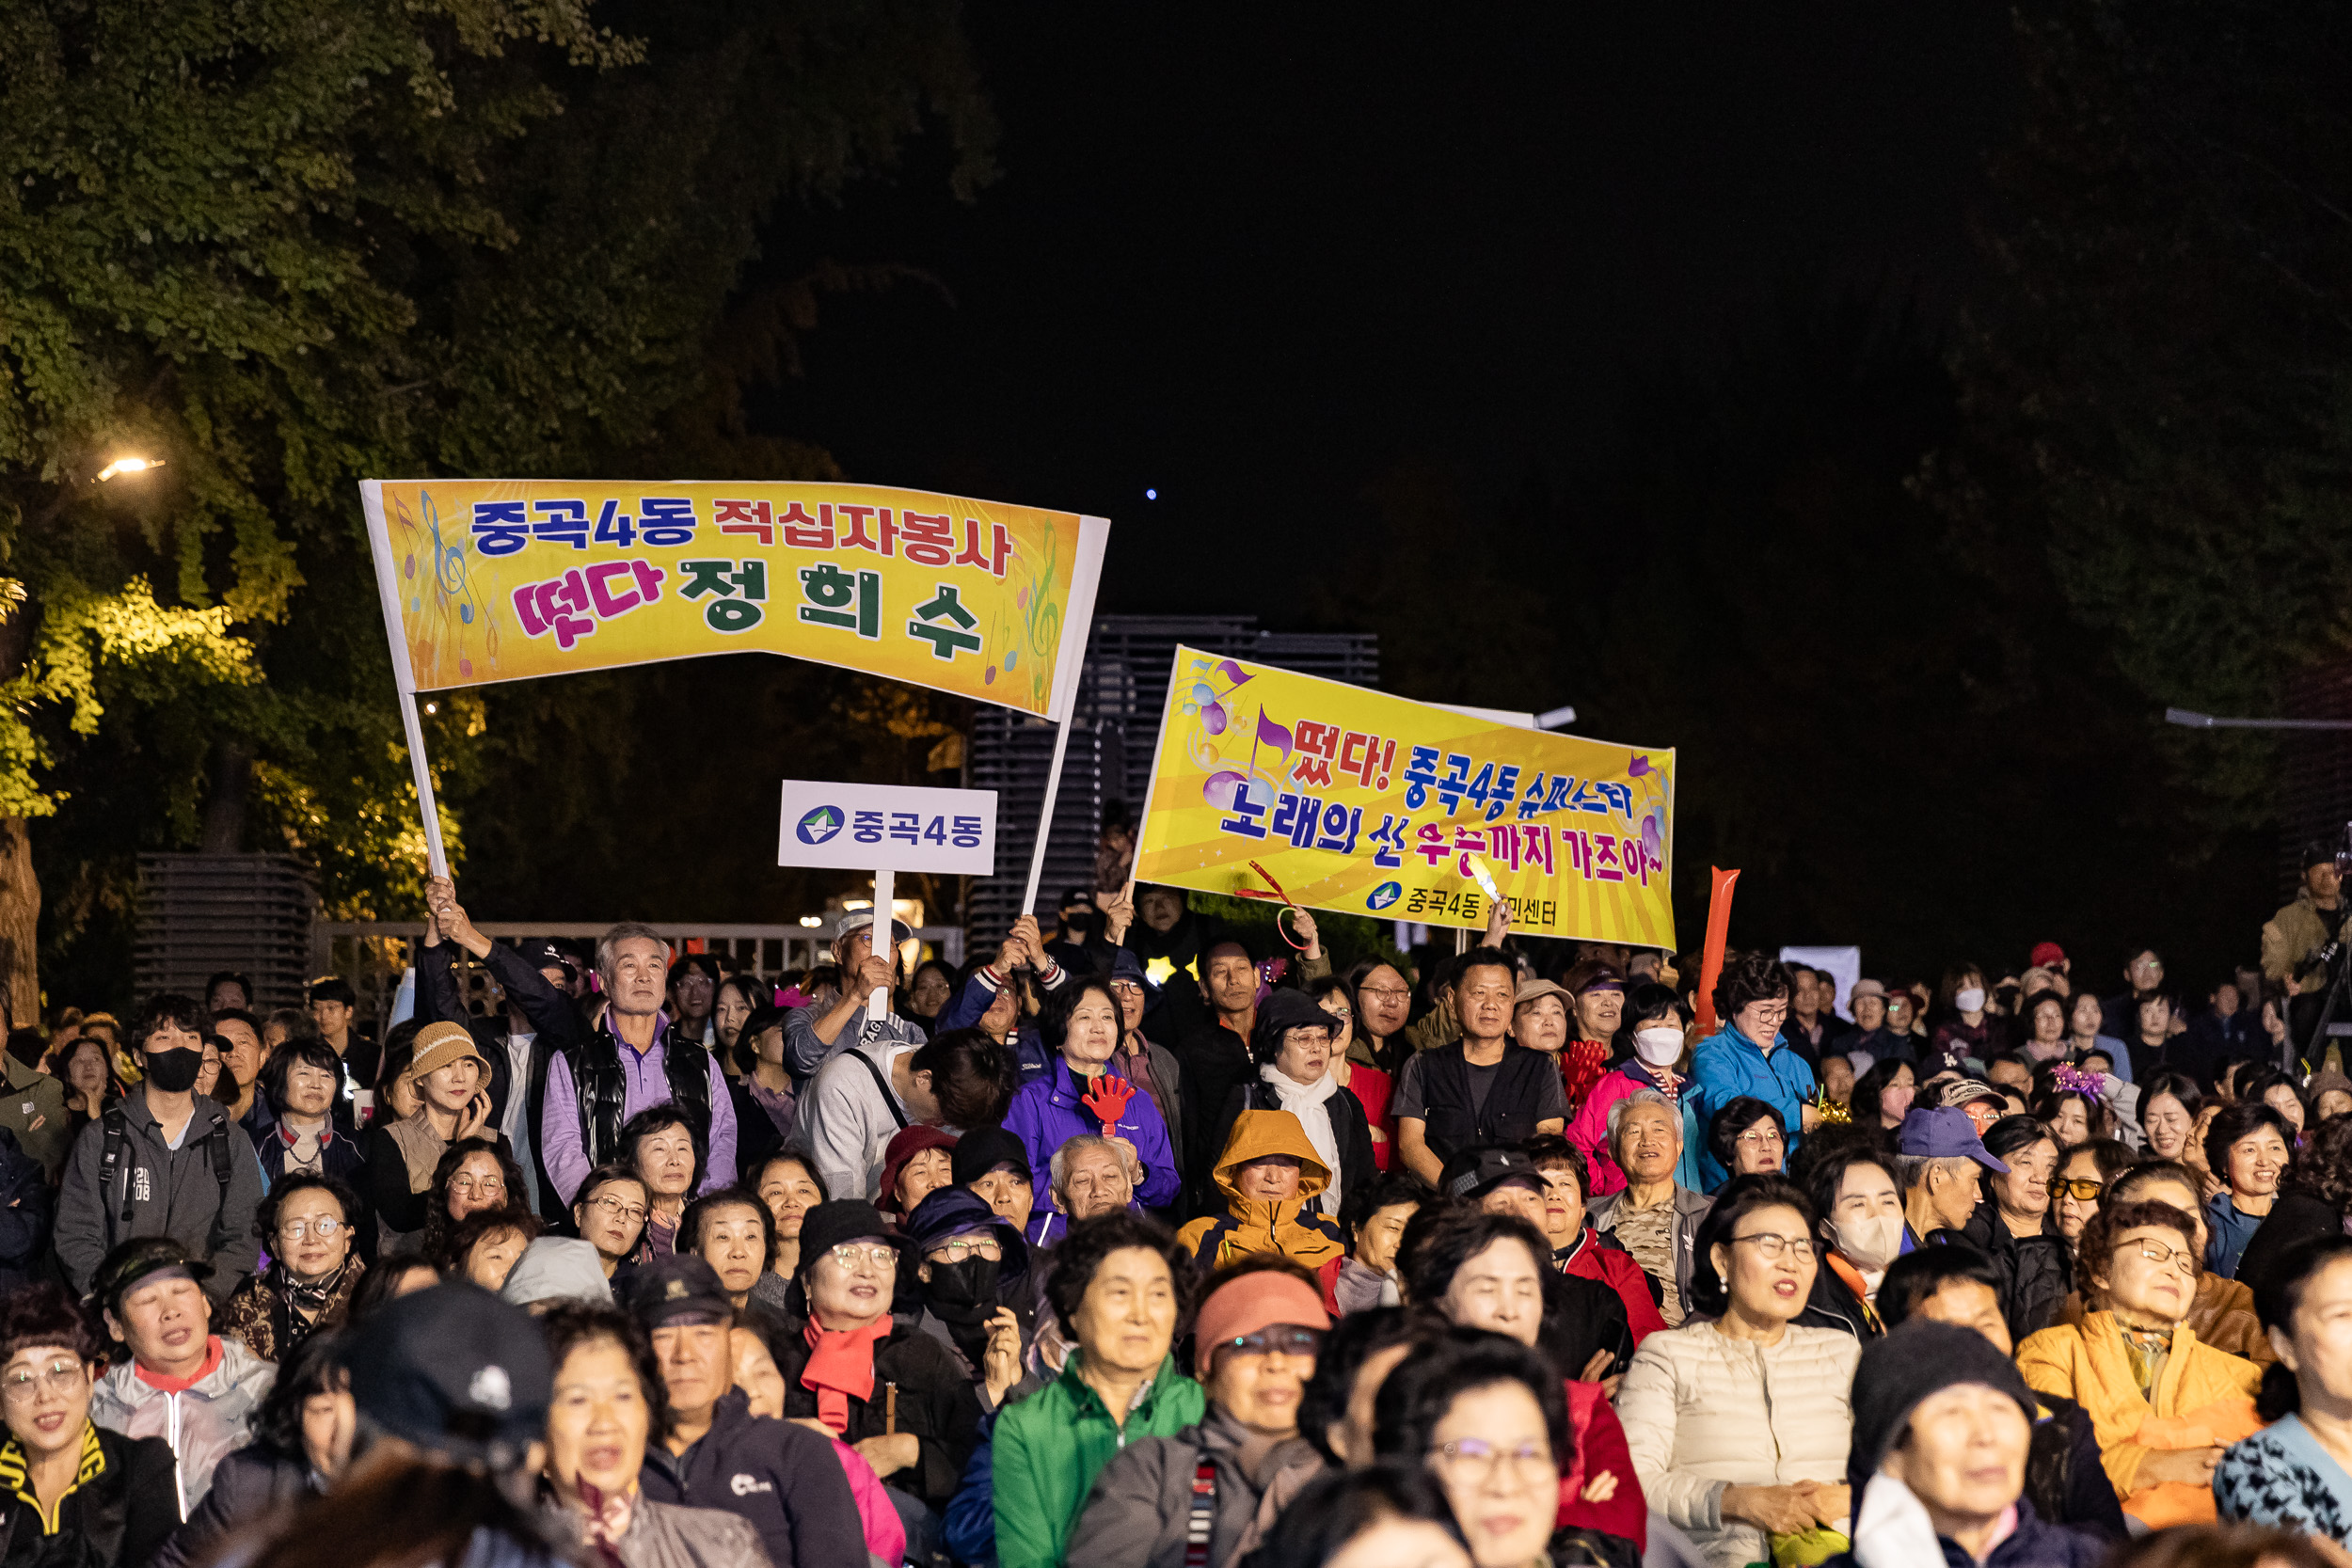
(1082, 1024)
(1746, 1056)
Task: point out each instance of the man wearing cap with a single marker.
(1984, 1103)
(626, 1066)
(994, 1165)
(781, 1478)
(182, 1382)
(1941, 1162)
(539, 1023)
(164, 1161)
(2296, 937)
(1497, 1179)
(1595, 994)
(1941, 1424)
(813, 1037)
(1872, 1036)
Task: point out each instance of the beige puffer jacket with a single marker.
(1702, 1411)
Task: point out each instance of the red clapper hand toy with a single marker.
(1107, 1099)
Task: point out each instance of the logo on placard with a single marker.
(1385, 894)
(820, 824)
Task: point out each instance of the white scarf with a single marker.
(1893, 1530)
(1307, 1103)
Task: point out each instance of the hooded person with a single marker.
(1292, 1045)
(1271, 1177)
(1942, 1423)
(973, 1272)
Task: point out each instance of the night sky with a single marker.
(1255, 261)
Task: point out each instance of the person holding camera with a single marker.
(2299, 941)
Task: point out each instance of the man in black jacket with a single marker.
(781, 1478)
(540, 1022)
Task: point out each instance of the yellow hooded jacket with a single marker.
(1291, 1227)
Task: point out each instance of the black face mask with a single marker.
(1080, 922)
(174, 1071)
(963, 1296)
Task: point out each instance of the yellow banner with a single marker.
(1344, 798)
(506, 580)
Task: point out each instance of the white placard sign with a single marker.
(855, 826)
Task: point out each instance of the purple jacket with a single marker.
(1046, 1114)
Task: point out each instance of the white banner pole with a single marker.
(404, 678)
(1094, 534)
(885, 890)
(1045, 817)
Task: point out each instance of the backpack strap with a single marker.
(115, 1128)
(217, 1144)
(889, 1099)
(1202, 1518)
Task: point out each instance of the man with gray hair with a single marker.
(1940, 1161)
(1090, 1176)
(628, 1066)
(1655, 1218)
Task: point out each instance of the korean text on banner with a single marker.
(1344, 798)
(506, 580)
(888, 828)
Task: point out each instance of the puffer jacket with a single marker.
(1703, 1411)
(1140, 1511)
(666, 1535)
(1291, 1227)
(2037, 1274)
(2203, 1397)
(1729, 1065)
(204, 1422)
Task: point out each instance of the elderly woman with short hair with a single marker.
(1655, 1218)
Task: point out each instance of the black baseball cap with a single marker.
(1475, 1172)
(679, 1285)
(141, 1258)
(454, 1370)
(984, 1148)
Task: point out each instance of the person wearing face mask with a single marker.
(1968, 1031)
(1659, 1031)
(163, 1161)
(974, 1266)
(1861, 1206)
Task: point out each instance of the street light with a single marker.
(128, 465)
(2189, 719)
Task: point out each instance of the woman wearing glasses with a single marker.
(1484, 1413)
(306, 1227)
(1261, 1324)
(71, 1492)
(610, 1210)
(1749, 1137)
(974, 1266)
(897, 1394)
(1739, 1425)
(2081, 1184)
(2162, 1403)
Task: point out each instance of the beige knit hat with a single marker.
(440, 1044)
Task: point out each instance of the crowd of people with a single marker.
(1136, 1247)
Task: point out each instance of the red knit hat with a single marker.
(909, 1142)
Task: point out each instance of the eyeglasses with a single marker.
(1382, 990)
(881, 1258)
(477, 1183)
(1759, 1137)
(61, 1376)
(957, 1250)
(633, 1212)
(1475, 1459)
(1341, 1013)
(2078, 1188)
(2180, 1260)
(1981, 1114)
(326, 1227)
(1278, 1340)
(1125, 987)
(1771, 1248)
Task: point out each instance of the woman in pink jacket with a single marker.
(1659, 1026)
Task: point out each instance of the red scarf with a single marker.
(606, 1518)
(840, 1365)
(1580, 1067)
(181, 1385)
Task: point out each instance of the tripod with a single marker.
(2338, 958)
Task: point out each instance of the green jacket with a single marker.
(28, 1095)
(1050, 1447)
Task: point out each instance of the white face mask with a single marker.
(1970, 1000)
(1659, 1047)
(1870, 1244)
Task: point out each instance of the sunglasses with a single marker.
(2078, 1188)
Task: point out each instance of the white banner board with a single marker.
(854, 827)
(1842, 964)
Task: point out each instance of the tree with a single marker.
(289, 243)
